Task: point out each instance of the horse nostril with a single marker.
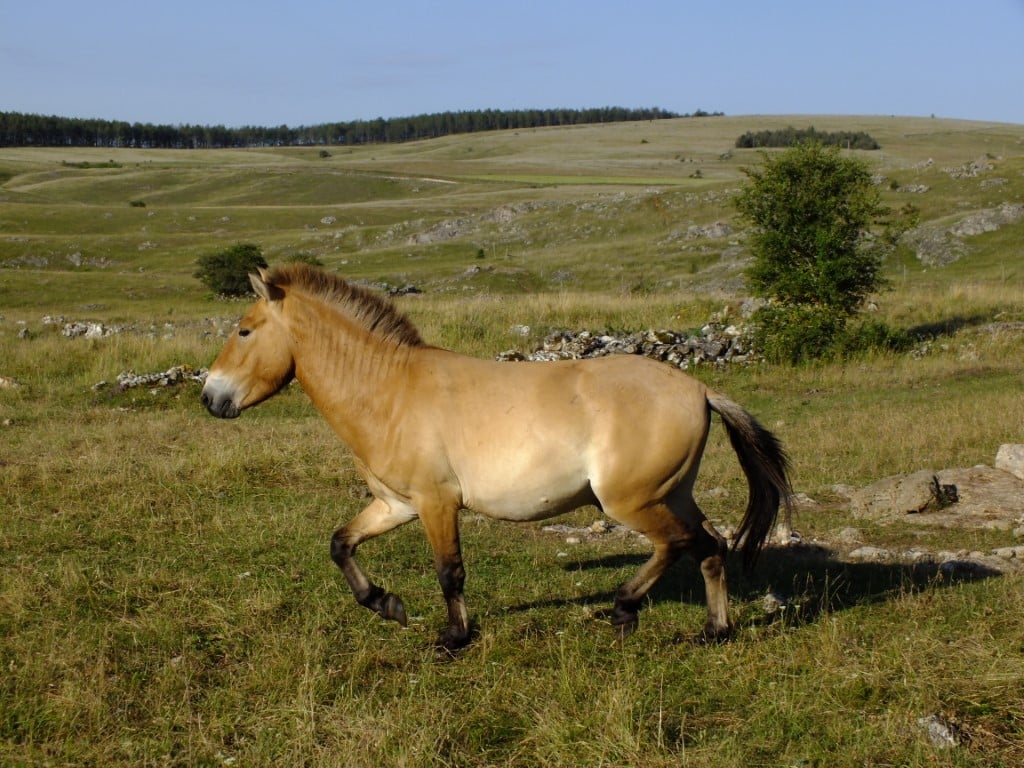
(204, 399)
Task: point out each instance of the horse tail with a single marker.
(766, 466)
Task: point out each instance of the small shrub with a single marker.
(872, 336)
(227, 272)
(800, 333)
(796, 333)
(137, 204)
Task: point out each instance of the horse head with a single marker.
(257, 360)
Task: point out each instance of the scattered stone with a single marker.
(850, 536)
(974, 566)
(177, 374)
(716, 343)
(969, 170)
(774, 603)
(87, 329)
(941, 732)
(803, 502)
(843, 491)
(598, 529)
(871, 554)
(714, 231)
(1009, 553)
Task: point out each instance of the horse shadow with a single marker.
(796, 584)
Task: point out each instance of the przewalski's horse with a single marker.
(434, 432)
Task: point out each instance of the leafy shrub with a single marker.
(796, 333)
(800, 333)
(872, 336)
(227, 272)
(819, 237)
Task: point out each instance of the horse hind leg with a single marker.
(675, 529)
(709, 551)
(669, 537)
(377, 518)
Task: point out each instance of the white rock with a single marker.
(1010, 458)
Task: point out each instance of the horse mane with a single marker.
(368, 309)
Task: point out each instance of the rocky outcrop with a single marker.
(974, 497)
(1010, 458)
(938, 245)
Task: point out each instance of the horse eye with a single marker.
(243, 332)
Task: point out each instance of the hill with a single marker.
(594, 207)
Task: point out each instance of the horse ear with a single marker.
(264, 288)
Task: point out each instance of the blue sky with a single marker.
(219, 62)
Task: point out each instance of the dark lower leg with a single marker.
(367, 594)
(625, 615)
(452, 576)
(628, 598)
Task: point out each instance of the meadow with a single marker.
(166, 594)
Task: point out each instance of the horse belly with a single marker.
(528, 495)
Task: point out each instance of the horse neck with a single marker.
(350, 373)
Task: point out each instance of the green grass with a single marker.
(166, 594)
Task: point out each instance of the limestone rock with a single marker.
(1010, 458)
(894, 495)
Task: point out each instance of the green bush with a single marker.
(871, 336)
(227, 272)
(820, 232)
(799, 333)
(796, 333)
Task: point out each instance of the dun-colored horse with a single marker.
(434, 432)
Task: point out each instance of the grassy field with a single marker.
(166, 595)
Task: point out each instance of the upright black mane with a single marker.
(368, 309)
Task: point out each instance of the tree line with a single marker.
(19, 129)
(791, 137)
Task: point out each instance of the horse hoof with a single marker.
(450, 642)
(393, 609)
(713, 636)
(623, 623)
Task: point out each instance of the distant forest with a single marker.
(24, 130)
(788, 137)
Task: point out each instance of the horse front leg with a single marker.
(440, 522)
(377, 518)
